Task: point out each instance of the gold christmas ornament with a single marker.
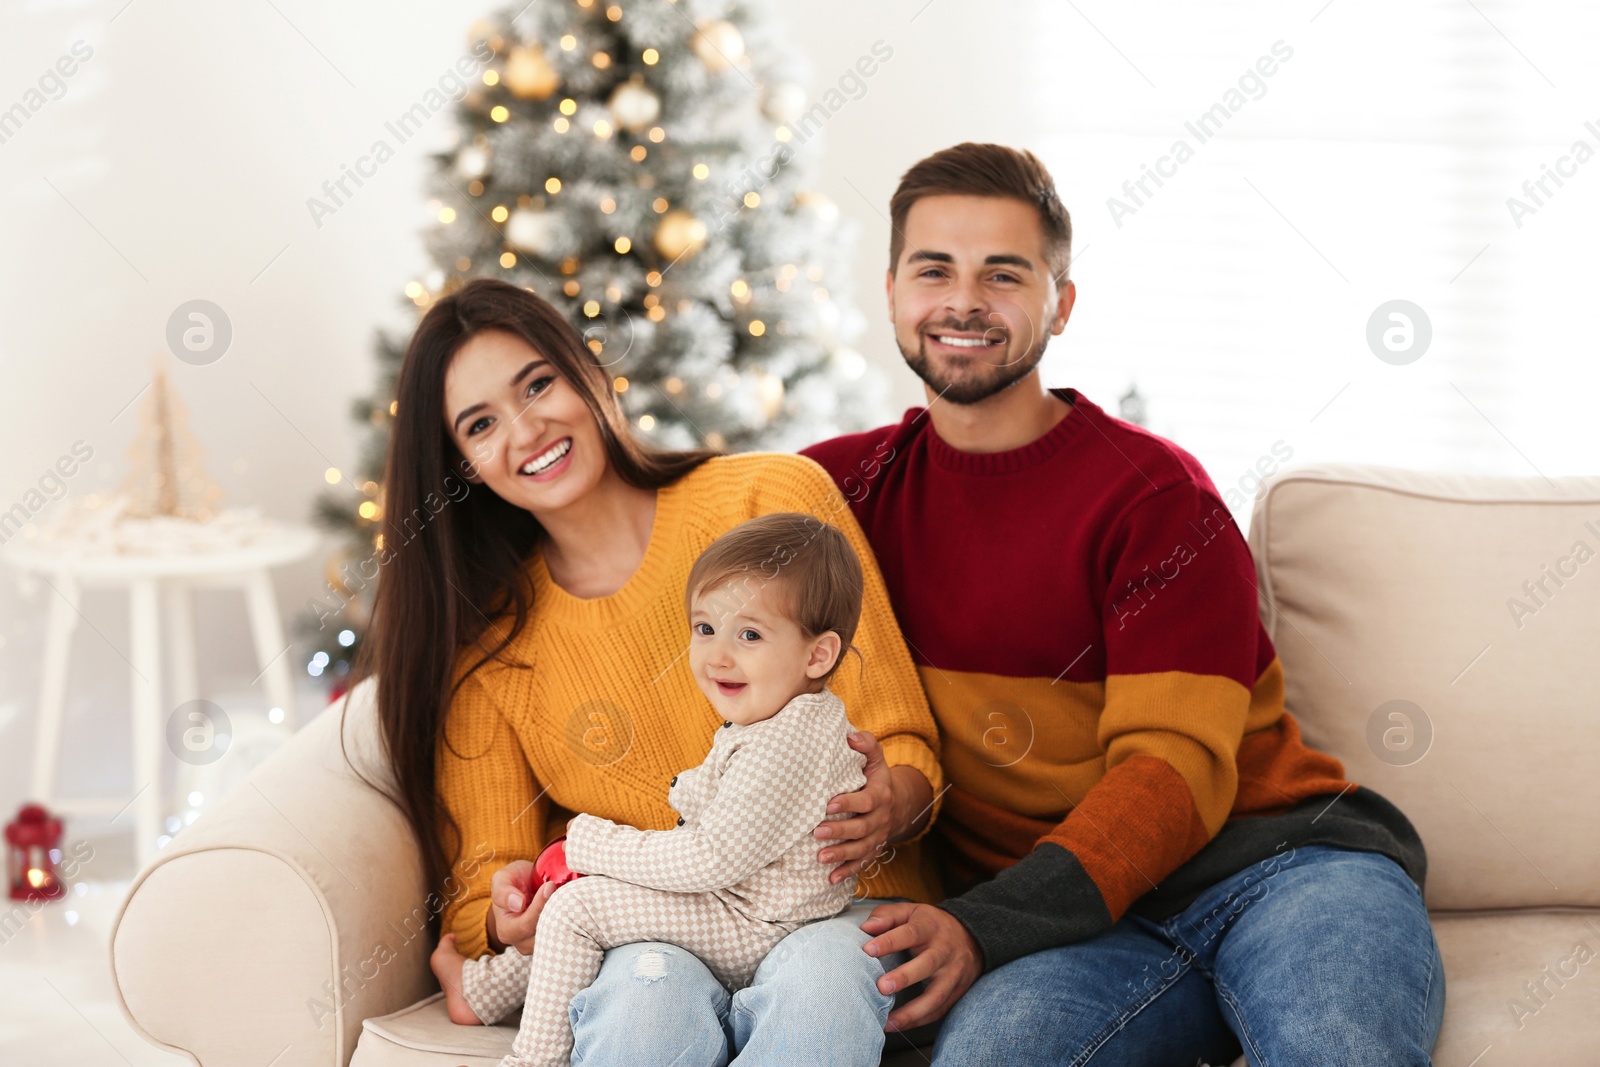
(165, 475)
(529, 75)
(634, 105)
(679, 234)
(719, 45)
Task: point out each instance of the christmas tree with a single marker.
(645, 166)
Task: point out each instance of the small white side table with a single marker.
(151, 579)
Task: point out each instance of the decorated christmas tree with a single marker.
(646, 166)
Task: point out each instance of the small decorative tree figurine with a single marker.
(33, 844)
(165, 475)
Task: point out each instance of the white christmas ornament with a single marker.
(472, 162)
(818, 206)
(635, 106)
(769, 392)
(719, 45)
(849, 363)
(785, 102)
(530, 231)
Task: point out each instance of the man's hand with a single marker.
(855, 842)
(942, 952)
(514, 907)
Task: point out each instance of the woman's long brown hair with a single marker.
(454, 554)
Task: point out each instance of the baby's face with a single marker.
(747, 657)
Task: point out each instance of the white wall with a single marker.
(177, 163)
(184, 150)
(947, 82)
(182, 153)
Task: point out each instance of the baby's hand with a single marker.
(551, 867)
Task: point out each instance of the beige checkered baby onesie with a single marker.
(738, 874)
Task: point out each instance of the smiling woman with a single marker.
(463, 403)
(575, 562)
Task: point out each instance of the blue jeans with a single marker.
(814, 1000)
(1326, 956)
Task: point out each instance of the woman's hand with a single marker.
(886, 808)
(514, 906)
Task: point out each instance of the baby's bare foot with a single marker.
(447, 963)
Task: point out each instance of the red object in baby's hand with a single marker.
(551, 866)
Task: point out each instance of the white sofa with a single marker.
(283, 927)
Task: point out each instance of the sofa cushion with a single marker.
(1494, 962)
(1440, 634)
(1488, 958)
(417, 1036)
(422, 1033)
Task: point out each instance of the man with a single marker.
(1146, 863)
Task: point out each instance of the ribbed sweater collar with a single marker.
(1034, 452)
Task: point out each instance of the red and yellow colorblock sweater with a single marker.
(1083, 613)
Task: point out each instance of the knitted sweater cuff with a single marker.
(906, 750)
(1045, 900)
(470, 925)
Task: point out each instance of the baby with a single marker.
(773, 605)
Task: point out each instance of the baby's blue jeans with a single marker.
(814, 1000)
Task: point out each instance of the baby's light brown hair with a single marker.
(807, 563)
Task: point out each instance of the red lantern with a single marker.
(33, 847)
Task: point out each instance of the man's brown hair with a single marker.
(972, 169)
(809, 564)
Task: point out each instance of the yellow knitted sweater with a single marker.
(599, 711)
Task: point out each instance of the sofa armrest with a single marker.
(284, 916)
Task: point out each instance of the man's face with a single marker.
(972, 299)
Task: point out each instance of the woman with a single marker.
(528, 644)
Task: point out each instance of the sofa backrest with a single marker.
(1440, 634)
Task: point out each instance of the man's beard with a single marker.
(987, 379)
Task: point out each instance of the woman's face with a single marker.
(520, 424)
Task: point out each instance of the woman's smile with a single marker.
(550, 463)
